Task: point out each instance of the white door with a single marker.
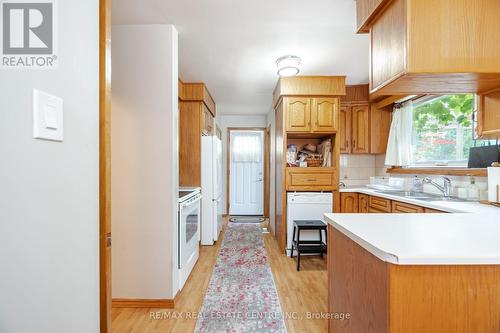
(246, 173)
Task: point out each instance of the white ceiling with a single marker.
(232, 45)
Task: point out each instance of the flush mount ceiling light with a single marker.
(288, 65)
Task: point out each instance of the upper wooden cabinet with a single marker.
(360, 129)
(364, 129)
(345, 129)
(197, 92)
(298, 114)
(432, 46)
(311, 115)
(488, 122)
(196, 118)
(324, 114)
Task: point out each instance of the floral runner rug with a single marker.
(241, 295)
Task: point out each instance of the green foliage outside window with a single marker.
(443, 129)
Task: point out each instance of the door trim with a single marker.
(104, 165)
(228, 160)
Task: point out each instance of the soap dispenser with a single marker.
(418, 184)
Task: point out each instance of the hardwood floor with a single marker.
(299, 293)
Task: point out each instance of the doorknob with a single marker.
(260, 179)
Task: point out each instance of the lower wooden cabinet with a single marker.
(402, 207)
(352, 202)
(363, 203)
(379, 204)
(349, 203)
(432, 211)
(375, 210)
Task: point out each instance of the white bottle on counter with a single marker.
(473, 190)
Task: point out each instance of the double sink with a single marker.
(421, 196)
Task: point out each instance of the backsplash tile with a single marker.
(356, 169)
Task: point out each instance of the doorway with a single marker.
(246, 166)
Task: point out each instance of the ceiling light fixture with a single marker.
(288, 65)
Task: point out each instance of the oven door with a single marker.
(189, 229)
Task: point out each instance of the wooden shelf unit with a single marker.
(307, 111)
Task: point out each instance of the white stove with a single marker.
(189, 231)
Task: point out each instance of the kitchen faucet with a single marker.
(446, 189)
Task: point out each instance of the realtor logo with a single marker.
(28, 34)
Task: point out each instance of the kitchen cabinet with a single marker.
(324, 115)
(311, 115)
(360, 130)
(363, 203)
(345, 129)
(352, 202)
(349, 202)
(404, 33)
(298, 114)
(363, 128)
(306, 113)
(379, 204)
(432, 211)
(402, 207)
(196, 118)
(310, 179)
(488, 117)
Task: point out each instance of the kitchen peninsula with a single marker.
(415, 272)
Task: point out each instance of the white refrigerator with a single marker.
(211, 189)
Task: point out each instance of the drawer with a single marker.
(432, 211)
(401, 207)
(374, 210)
(381, 204)
(301, 180)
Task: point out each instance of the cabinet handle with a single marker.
(353, 143)
(347, 144)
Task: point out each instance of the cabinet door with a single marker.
(388, 45)
(298, 114)
(349, 202)
(488, 125)
(360, 130)
(324, 114)
(345, 129)
(363, 203)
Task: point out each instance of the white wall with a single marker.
(144, 161)
(49, 208)
(228, 121)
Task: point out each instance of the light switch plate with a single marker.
(47, 116)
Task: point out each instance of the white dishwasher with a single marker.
(306, 206)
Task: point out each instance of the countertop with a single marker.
(470, 235)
